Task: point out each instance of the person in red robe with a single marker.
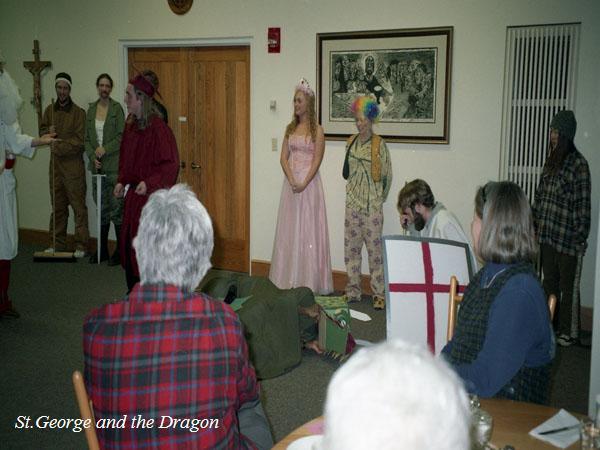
(148, 161)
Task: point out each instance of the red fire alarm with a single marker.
(274, 40)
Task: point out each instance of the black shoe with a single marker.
(565, 340)
(11, 313)
(103, 245)
(231, 294)
(94, 258)
(115, 259)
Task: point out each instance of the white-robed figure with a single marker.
(12, 143)
(422, 216)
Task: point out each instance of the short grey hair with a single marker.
(174, 242)
(396, 395)
(507, 233)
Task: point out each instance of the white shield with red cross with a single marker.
(417, 285)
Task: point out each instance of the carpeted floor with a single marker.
(39, 352)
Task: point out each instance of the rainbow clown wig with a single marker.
(367, 106)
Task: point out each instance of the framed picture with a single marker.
(406, 71)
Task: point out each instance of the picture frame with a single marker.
(407, 71)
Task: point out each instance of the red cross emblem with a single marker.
(429, 288)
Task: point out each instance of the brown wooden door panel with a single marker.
(210, 89)
(227, 254)
(169, 64)
(221, 132)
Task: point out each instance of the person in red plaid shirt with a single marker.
(168, 354)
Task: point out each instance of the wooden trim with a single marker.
(261, 268)
(37, 237)
(258, 268)
(40, 237)
(586, 316)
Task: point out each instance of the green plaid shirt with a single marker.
(562, 206)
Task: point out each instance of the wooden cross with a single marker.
(36, 67)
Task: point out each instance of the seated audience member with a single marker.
(396, 395)
(503, 342)
(167, 353)
(422, 216)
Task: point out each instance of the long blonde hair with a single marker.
(312, 117)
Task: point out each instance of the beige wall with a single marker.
(83, 38)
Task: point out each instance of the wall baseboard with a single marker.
(261, 269)
(41, 237)
(257, 267)
(586, 316)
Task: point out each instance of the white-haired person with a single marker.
(503, 341)
(396, 395)
(166, 351)
(12, 143)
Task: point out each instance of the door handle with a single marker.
(195, 166)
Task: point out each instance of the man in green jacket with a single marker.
(103, 130)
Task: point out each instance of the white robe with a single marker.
(444, 225)
(13, 143)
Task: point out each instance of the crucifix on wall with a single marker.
(35, 67)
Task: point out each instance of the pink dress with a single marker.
(301, 250)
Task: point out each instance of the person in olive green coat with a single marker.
(104, 125)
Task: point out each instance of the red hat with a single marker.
(141, 84)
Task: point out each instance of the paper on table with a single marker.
(561, 439)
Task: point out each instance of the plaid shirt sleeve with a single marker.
(246, 381)
(562, 207)
(582, 188)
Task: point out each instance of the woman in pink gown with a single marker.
(301, 249)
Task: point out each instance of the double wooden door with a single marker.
(206, 91)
